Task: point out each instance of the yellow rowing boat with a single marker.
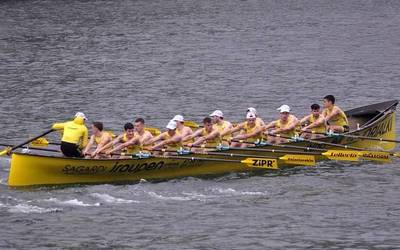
(29, 169)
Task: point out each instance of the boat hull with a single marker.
(32, 169)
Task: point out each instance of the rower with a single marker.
(129, 133)
(134, 144)
(169, 140)
(99, 138)
(208, 136)
(181, 129)
(334, 116)
(314, 124)
(285, 126)
(75, 135)
(223, 127)
(258, 119)
(251, 131)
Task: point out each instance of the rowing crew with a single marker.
(215, 132)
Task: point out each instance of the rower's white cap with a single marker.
(284, 108)
(171, 125)
(80, 114)
(251, 115)
(252, 110)
(178, 118)
(217, 113)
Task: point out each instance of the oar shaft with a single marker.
(32, 139)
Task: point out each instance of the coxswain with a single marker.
(334, 116)
(75, 135)
(285, 126)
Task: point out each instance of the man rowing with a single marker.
(314, 124)
(250, 131)
(134, 144)
(207, 137)
(285, 126)
(181, 129)
(258, 119)
(334, 116)
(167, 141)
(75, 135)
(222, 126)
(129, 133)
(98, 138)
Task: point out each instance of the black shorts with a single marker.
(346, 128)
(70, 149)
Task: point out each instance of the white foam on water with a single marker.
(73, 202)
(234, 192)
(174, 198)
(28, 209)
(110, 199)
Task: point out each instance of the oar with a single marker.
(8, 151)
(297, 159)
(358, 137)
(254, 162)
(191, 124)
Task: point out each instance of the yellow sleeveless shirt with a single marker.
(221, 128)
(247, 129)
(281, 125)
(211, 143)
(320, 128)
(337, 120)
(173, 146)
(132, 149)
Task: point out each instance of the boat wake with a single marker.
(28, 209)
(73, 202)
(110, 199)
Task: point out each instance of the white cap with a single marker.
(250, 115)
(171, 125)
(217, 113)
(80, 114)
(252, 110)
(284, 108)
(178, 118)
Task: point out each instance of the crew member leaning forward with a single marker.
(224, 127)
(75, 135)
(98, 138)
(251, 131)
(334, 116)
(283, 128)
(314, 124)
(129, 133)
(169, 141)
(181, 129)
(134, 144)
(207, 137)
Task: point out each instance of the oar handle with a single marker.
(32, 139)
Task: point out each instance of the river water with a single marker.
(118, 60)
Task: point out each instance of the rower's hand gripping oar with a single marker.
(9, 150)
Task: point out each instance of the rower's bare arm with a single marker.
(291, 126)
(334, 112)
(270, 125)
(227, 130)
(305, 120)
(193, 135)
(256, 132)
(110, 144)
(237, 128)
(154, 139)
(89, 145)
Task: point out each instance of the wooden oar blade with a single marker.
(153, 131)
(191, 124)
(40, 142)
(342, 155)
(303, 160)
(376, 156)
(265, 163)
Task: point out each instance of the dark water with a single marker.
(117, 60)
